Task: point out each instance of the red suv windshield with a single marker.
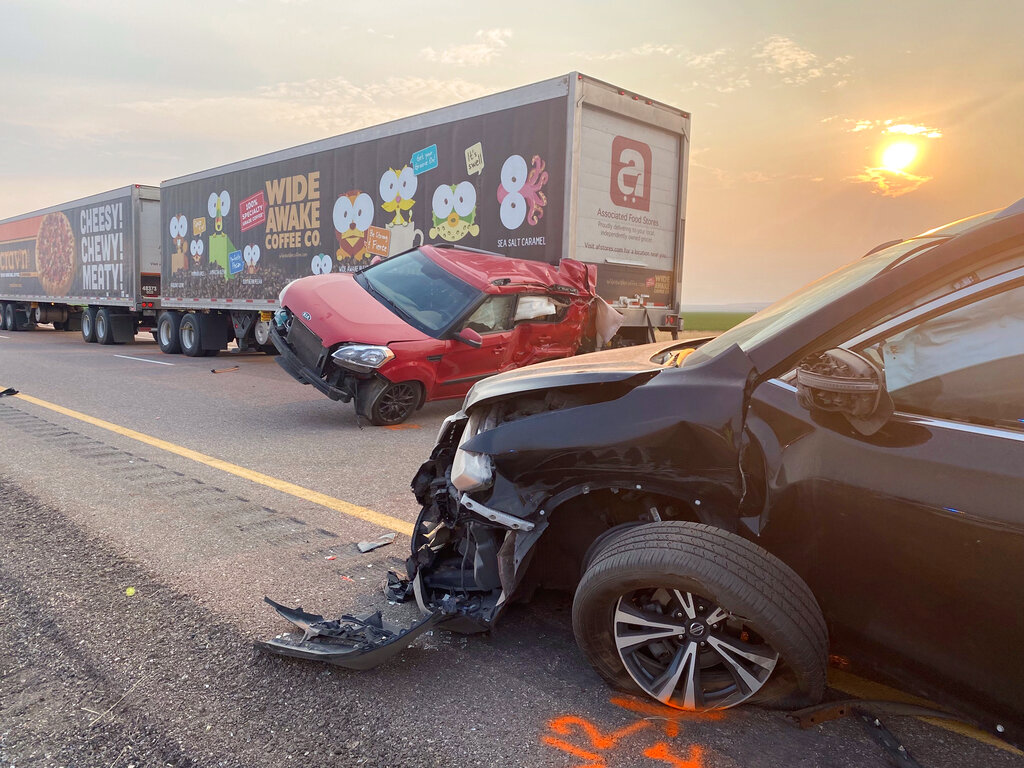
(419, 291)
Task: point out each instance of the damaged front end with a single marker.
(462, 549)
(462, 571)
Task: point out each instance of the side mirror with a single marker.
(842, 381)
(470, 337)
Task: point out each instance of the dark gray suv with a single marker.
(842, 473)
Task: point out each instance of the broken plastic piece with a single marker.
(397, 589)
(380, 541)
(224, 370)
(351, 641)
(9, 391)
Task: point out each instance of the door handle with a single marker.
(499, 349)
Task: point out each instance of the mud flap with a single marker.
(355, 643)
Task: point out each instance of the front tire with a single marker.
(89, 325)
(700, 619)
(395, 403)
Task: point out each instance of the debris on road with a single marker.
(130, 591)
(9, 391)
(224, 370)
(331, 557)
(397, 589)
(380, 541)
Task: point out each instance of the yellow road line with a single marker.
(867, 689)
(352, 510)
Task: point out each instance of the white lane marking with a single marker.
(143, 360)
(5, 337)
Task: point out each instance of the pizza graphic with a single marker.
(55, 254)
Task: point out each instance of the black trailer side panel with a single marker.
(492, 181)
(82, 252)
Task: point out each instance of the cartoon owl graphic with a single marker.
(454, 212)
(179, 229)
(396, 190)
(353, 215)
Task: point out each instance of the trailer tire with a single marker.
(8, 317)
(167, 333)
(89, 325)
(104, 331)
(261, 333)
(190, 336)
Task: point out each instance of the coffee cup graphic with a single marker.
(404, 237)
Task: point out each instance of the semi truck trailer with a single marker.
(91, 265)
(565, 168)
(570, 167)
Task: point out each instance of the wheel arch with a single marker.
(577, 516)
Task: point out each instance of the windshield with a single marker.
(419, 291)
(813, 297)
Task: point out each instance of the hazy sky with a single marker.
(793, 103)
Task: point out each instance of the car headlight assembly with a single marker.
(362, 357)
(472, 471)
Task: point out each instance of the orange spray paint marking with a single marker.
(593, 760)
(564, 725)
(662, 753)
(397, 427)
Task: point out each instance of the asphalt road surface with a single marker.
(148, 504)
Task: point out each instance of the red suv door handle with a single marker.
(499, 349)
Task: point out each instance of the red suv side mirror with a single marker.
(470, 337)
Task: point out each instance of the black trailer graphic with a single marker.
(492, 181)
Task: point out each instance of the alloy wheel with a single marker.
(397, 401)
(687, 652)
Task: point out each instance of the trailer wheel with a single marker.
(167, 332)
(8, 317)
(104, 332)
(190, 336)
(89, 324)
(261, 332)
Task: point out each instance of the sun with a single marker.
(898, 156)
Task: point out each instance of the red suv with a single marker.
(428, 324)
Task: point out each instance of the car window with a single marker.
(494, 315)
(535, 308)
(965, 363)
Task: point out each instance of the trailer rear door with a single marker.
(628, 217)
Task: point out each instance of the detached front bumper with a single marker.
(306, 361)
(352, 642)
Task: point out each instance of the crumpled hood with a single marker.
(612, 365)
(340, 310)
